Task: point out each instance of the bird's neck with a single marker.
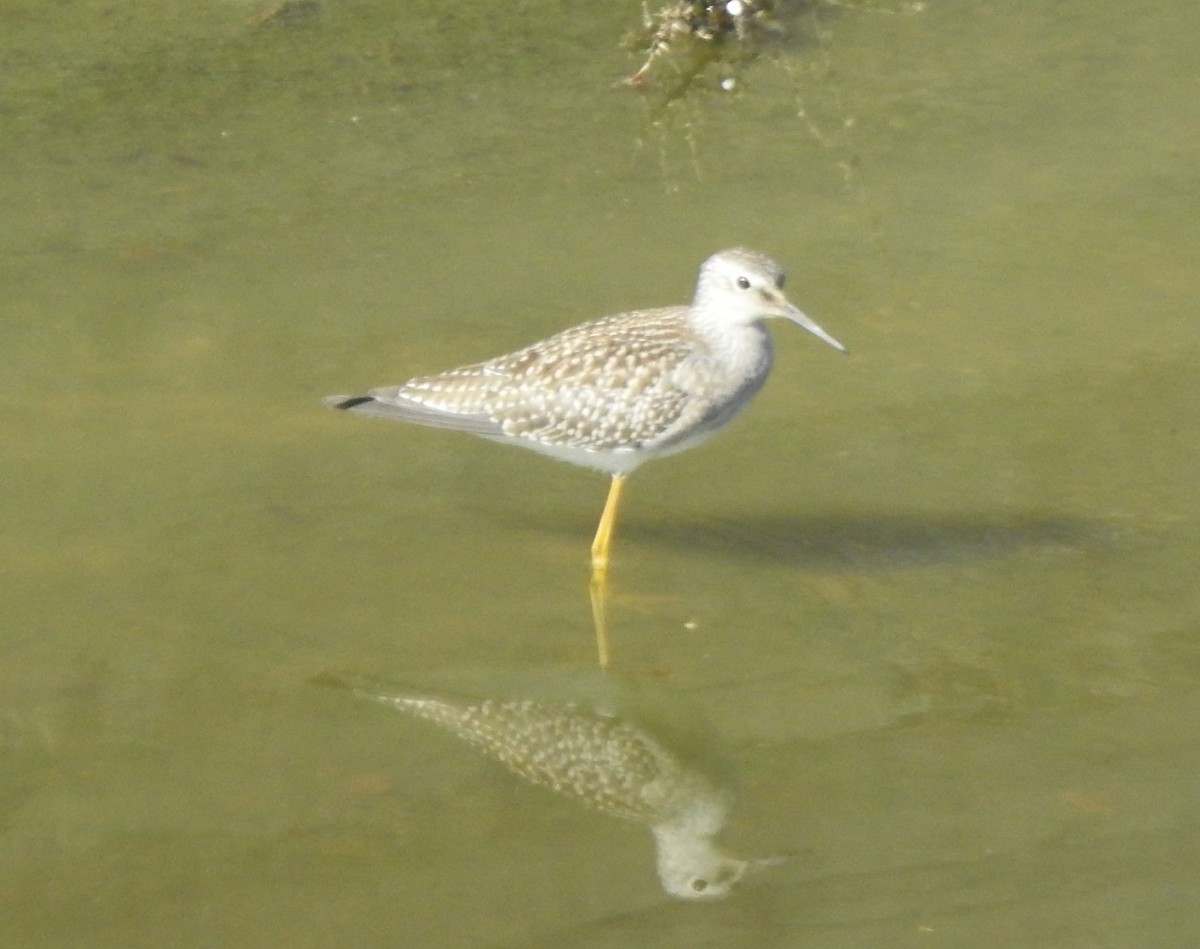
(744, 349)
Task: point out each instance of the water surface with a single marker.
(930, 610)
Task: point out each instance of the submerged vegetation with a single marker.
(681, 40)
(687, 43)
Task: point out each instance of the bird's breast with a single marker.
(733, 362)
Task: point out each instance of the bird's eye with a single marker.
(699, 885)
(744, 283)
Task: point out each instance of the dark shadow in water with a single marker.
(875, 542)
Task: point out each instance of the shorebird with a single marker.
(617, 392)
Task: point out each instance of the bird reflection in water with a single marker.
(601, 760)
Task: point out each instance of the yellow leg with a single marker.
(603, 541)
(600, 555)
(598, 589)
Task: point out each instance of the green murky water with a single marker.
(932, 611)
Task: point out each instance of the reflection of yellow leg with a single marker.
(604, 532)
(598, 589)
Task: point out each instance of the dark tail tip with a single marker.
(346, 402)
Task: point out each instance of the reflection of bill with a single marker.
(601, 760)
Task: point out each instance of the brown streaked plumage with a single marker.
(619, 391)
